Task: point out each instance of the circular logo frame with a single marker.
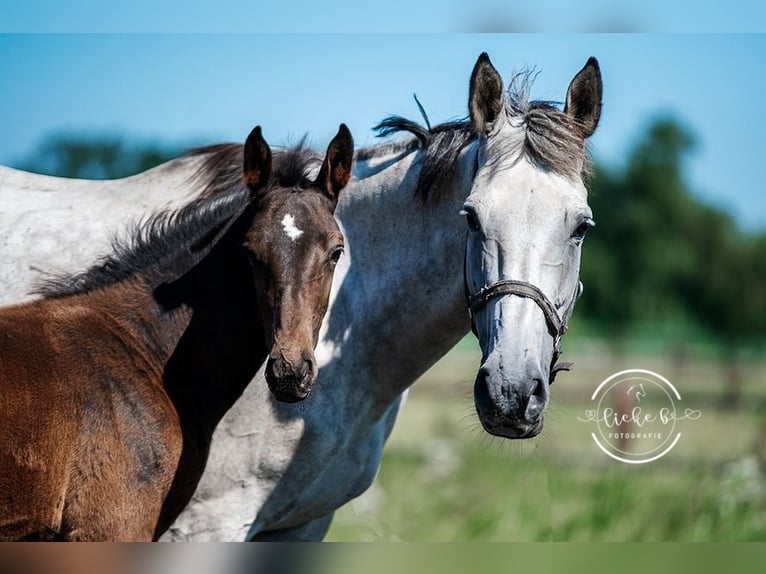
(641, 384)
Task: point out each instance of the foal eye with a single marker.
(335, 255)
(582, 229)
(470, 219)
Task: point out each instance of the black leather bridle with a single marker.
(557, 324)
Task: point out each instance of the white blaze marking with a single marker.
(288, 222)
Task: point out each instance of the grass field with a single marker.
(444, 479)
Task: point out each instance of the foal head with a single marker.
(293, 245)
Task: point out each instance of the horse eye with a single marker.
(470, 219)
(335, 255)
(582, 229)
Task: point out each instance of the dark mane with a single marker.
(163, 234)
(442, 144)
(221, 168)
(552, 140)
(149, 243)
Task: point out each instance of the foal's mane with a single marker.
(551, 140)
(149, 243)
(442, 145)
(221, 168)
(154, 239)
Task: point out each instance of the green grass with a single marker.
(444, 479)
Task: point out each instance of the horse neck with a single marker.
(136, 319)
(218, 354)
(194, 310)
(223, 344)
(404, 277)
(195, 313)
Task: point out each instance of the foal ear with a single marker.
(257, 163)
(336, 167)
(486, 98)
(584, 97)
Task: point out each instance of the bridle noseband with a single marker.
(557, 326)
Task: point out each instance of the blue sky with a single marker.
(411, 16)
(204, 88)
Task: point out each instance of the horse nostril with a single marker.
(305, 369)
(481, 388)
(276, 368)
(538, 398)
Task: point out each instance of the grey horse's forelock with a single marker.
(552, 140)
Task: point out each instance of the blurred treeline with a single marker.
(97, 156)
(658, 255)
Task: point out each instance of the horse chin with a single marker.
(504, 430)
(289, 393)
(289, 389)
(289, 383)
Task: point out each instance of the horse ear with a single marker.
(257, 163)
(486, 98)
(584, 97)
(336, 167)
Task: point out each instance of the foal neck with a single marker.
(223, 343)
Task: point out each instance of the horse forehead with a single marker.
(301, 214)
(524, 191)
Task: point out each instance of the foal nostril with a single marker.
(277, 368)
(305, 369)
(538, 398)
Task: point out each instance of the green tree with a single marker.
(660, 255)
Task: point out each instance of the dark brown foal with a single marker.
(111, 385)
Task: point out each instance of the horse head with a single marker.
(527, 215)
(294, 244)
